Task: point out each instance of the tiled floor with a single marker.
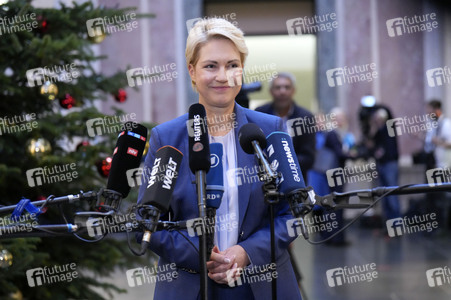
(401, 264)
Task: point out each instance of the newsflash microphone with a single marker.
(215, 191)
(127, 155)
(283, 159)
(252, 140)
(158, 193)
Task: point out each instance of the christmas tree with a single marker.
(49, 85)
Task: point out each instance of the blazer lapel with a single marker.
(244, 160)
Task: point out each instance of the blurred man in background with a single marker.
(282, 89)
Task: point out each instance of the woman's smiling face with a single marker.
(218, 59)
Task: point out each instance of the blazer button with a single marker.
(241, 234)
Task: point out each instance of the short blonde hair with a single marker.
(211, 28)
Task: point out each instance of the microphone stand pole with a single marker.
(271, 198)
(201, 180)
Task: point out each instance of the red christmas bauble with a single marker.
(120, 95)
(82, 146)
(67, 102)
(43, 24)
(104, 166)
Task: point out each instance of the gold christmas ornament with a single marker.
(50, 90)
(6, 259)
(38, 146)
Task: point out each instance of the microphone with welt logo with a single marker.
(158, 193)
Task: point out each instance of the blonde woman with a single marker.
(215, 48)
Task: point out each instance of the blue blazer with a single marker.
(254, 232)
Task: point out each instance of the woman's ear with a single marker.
(191, 72)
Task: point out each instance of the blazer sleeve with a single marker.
(170, 245)
(257, 245)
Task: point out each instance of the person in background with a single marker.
(333, 148)
(282, 89)
(384, 149)
(438, 141)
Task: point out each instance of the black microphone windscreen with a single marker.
(127, 155)
(163, 178)
(199, 145)
(251, 132)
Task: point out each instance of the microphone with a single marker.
(215, 191)
(158, 194)
(127, 155)
(199, 146)
(252, 140)
(283, 159)
(199, 163)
